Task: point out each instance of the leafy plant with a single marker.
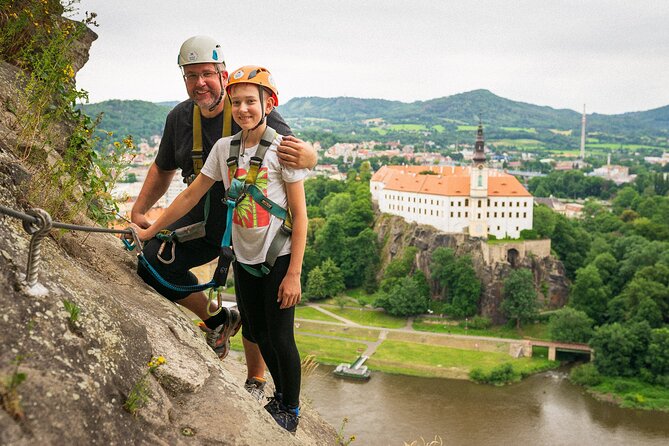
(341, 438)
(75, 172)
(9, 396)
(141, 392)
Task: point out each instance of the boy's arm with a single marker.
(296, 153)
(184, 202)
(290, 292)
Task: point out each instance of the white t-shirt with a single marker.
(253, 227)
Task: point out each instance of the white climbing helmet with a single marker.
(200, 49)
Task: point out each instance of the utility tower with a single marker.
(583, 135)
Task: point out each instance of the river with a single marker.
(545, 409)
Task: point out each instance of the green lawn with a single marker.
(467, 128)
(369, 317)
(435, 325)
(359, 295)
(303, 312)
(329, 351)
(427, 360)
(339, 331)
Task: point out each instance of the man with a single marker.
(191, 129)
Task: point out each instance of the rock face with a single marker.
(79, 375)
(492, 265)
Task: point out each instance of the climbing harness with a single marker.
(239, 190)
(196, 230)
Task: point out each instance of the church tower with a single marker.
(478, 189)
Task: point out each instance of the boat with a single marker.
(356, 370)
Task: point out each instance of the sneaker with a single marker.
(287, 418)
(219, 338)
(256, 387)
(274, 404)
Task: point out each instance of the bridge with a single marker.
(553, 347)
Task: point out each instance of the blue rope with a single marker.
(178, 288)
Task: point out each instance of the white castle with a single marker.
(475, 199)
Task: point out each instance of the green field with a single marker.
(615, 146)
(467, 128)
(407, 127)
(517, 142)
(519, 129)
(435, 325)
(303, 312)
(409, 358)
(370, 318)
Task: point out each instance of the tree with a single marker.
(589, 294)
(543, 221)
(360, 258)
(457, 278)
(621, 349)
(325, 281)
(570, 325)
(657, 356)
(613, 350)
(404, 297)
(520, 297)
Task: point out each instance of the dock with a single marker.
(356, 370)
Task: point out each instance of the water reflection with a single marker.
(543, 410)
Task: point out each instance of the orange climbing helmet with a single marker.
(253, 74)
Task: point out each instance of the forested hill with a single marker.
(141, 119)
(441, 118)
(466, 108)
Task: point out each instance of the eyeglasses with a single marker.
(205, 75)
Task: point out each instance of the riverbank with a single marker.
(333, 336)
(626, 392)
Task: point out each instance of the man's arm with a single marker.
(296, 153)
(155, 185)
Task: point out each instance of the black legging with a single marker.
(272, 327)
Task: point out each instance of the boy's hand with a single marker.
(296, 153)
(290, 291)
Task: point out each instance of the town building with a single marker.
(472, 199)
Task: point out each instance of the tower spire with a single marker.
(479, 147)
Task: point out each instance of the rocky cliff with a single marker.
(78, 375)
(549, 276)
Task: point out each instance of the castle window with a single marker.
(524, 214)
(451, 214)
(480, 181)
(496, 216)
(479, 217)
(495, 204)
(487, 214)
(466, 214)
(502, 204)
(458, 214)
(480, 203)
(502, 214)
(488, 201)
(466, 201)
(525, 204)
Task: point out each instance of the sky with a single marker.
(612, 56)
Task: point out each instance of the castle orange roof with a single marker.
(446, 180)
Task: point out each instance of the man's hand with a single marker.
(140, 220)
(296, 153)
